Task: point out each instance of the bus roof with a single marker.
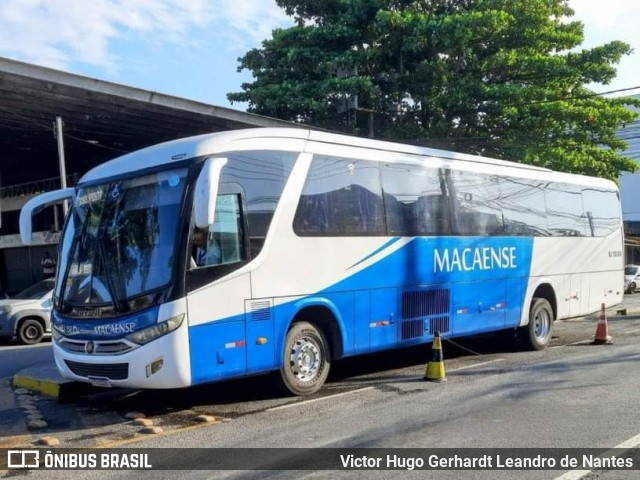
(184, 148)
(177, 150)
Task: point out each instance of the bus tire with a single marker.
(306, 359)
(30, 331)
(537, 334)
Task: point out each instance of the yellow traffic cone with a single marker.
(435, 368)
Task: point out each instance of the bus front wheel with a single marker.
(537, 333)
(306, 360)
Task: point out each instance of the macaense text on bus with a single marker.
(477, 258)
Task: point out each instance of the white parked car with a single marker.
(631, 274)
(28, 314)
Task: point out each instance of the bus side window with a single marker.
(341, 196)
(602, 209)
(222, 242)
(565, 212)
(400, 216)
(261, 176)
(415, 200)
(312, 214)
(430, 218)
(480, 210)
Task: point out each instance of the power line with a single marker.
(618, 91)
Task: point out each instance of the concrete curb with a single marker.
(46, 380)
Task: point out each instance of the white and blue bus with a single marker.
(314, 247)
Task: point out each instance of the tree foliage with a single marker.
(502, 78)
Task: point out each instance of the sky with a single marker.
(190, 48)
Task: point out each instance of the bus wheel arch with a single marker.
(542, 314)
(313, 340)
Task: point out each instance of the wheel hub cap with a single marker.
(305, 359)
(542, 322)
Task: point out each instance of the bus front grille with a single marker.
(112, 371)
(116, 347)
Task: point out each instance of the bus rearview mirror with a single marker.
(206, 192)
(36, 204)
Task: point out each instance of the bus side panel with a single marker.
(479, 306)
(583, 271)
(484, 276)
(382, 324)
(361, 314)
(516, 289)
(398, 292)
(607, 285)
(259, 334)
(607, 288)
(217, 336)
(217, 350)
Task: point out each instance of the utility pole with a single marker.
(63, 169)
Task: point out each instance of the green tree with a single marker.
(502, 78)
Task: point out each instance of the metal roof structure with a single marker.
(102, 120)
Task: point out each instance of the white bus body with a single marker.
(326, 246)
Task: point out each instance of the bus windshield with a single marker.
(120, 240)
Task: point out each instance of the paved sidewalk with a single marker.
(46, 380)
(11, 418)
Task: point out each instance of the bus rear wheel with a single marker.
(537, 334)
(306, 360)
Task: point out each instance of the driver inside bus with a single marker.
(204, 252)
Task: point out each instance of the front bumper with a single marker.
(132, 369)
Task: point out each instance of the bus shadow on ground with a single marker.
(420, 355)
(263, 388)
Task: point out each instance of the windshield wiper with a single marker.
(76, 241)
(118, 304)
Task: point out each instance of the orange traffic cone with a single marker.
(435, 368)
(602, 332)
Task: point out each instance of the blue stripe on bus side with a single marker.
(486, 278)
(375, 252)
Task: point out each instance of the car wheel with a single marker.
(305, 361)
(632, 287)
(30, 331)
(537, 334)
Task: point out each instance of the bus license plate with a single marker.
(100, 382)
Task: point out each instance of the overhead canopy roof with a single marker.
(101, 120)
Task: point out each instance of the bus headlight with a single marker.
(156, 331)
(56, 335)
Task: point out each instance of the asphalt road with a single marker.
(15, 357)
(572, 395)
(566, 397)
